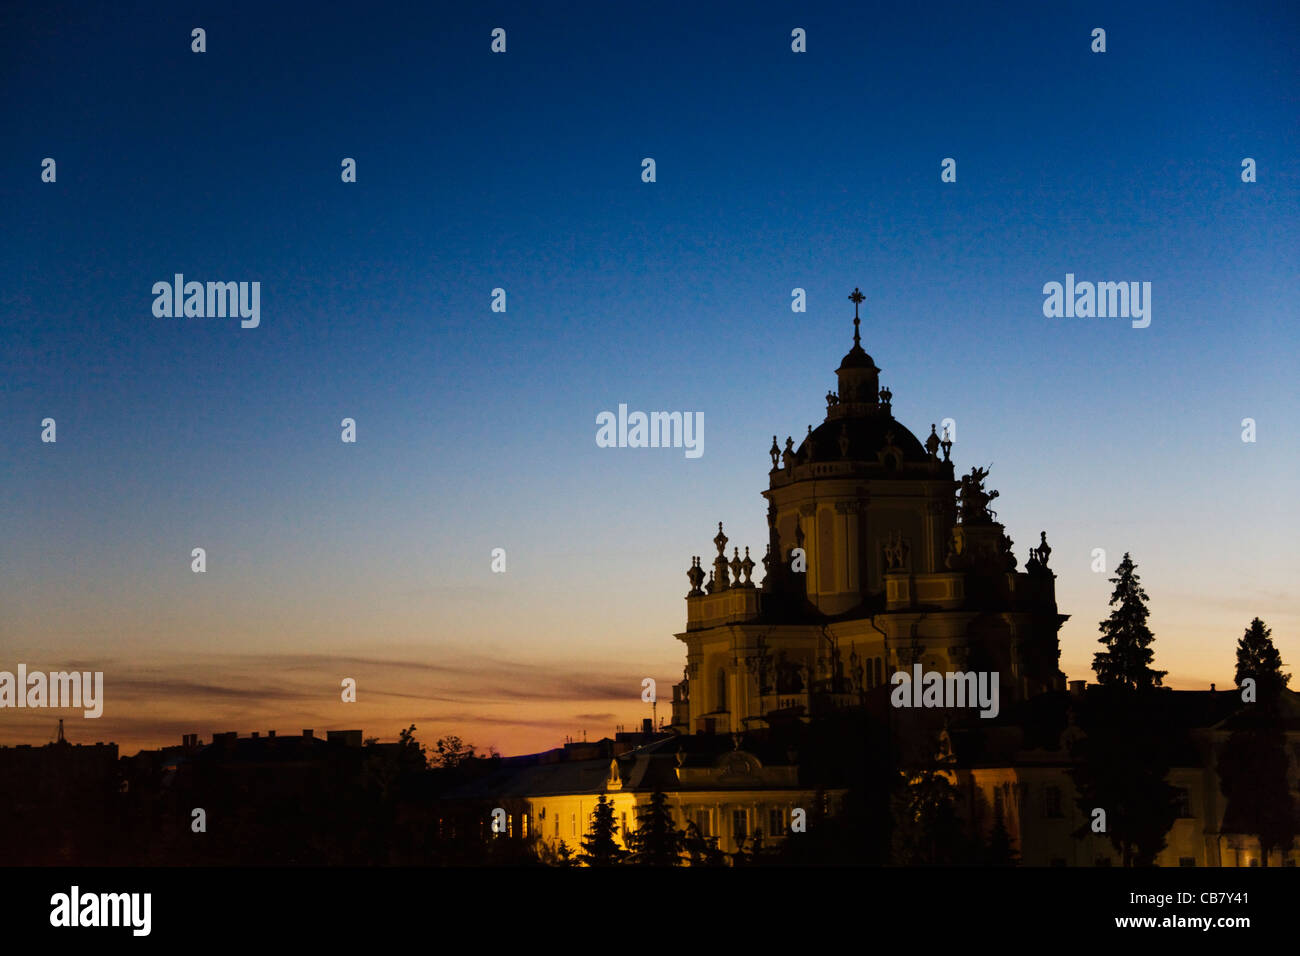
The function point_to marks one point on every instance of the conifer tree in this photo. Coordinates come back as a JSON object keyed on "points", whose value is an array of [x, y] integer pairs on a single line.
{"points": [[599, 848], [656, 840], [1253, 764], [1126, 662], [1257, 657], [1253, 778], [1124, 756]]}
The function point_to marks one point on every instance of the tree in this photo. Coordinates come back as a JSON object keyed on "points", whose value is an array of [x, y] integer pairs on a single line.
{"points": [[656, 840], [1258, 658], [1124, 756], [926, 827], [1253, 763], [452, 752], [1253, 777], [413, 754], [702, 850], [1121, 764], [1126, 662], [599, 848]]}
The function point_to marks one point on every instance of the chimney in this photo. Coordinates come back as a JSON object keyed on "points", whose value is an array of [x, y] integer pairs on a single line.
{"points": [[254, 735], [647, 725], [1077, 687], [308, 734], [270, 733]]}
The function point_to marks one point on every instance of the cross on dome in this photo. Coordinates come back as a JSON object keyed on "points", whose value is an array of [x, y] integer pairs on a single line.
{"points": [[856, 298]]}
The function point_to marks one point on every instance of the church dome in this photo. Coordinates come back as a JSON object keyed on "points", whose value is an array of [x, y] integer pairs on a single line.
{"points": [[868, 435], [857, 357]]}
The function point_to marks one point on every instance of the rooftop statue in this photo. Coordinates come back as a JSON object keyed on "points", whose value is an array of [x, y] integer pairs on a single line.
{"points": [[974, 499]]}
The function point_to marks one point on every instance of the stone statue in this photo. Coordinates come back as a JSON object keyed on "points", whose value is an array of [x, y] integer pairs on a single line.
{"points": [[974, 499], [931, 444]]}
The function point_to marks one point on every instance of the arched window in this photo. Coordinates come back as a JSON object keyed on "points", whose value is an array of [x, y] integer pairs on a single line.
{"points": [[722, 689]]}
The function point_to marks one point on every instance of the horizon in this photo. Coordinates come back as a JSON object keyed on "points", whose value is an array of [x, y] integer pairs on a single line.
{"points": [[478, 429]]}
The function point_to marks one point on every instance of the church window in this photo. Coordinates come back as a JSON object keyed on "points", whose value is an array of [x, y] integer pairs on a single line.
{"points": [[1184, 799], [702, 821], [722, 689], [775, 822]]}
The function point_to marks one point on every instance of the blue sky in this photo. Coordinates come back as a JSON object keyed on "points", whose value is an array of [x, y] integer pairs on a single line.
{"points": [[522, 171]]}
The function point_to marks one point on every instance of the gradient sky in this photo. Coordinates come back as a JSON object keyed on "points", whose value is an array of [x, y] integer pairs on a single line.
{"points": [[476, 429]]}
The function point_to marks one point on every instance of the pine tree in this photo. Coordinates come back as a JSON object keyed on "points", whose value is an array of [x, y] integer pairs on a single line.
{"points": [[656, 841], [1124, 756], [1258, 658], [1126, 662], [599, 848], [1253, 764], [564, 855]]}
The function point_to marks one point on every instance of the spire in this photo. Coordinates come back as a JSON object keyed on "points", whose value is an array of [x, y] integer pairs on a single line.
{"points": [[856, 298], [857, 372]]}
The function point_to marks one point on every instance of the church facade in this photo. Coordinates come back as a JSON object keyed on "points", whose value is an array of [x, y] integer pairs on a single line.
{"points": [[878, 558]]}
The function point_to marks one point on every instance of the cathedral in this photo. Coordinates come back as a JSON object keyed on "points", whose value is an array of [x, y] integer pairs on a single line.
{"points": [[878, 558], [880, 561]]}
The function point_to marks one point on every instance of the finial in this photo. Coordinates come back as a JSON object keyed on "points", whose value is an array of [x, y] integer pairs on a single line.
{"points": [[856, 298]]}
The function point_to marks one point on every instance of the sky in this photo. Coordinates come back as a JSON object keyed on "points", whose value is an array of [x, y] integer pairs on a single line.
{"points": [[522, 171]]}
